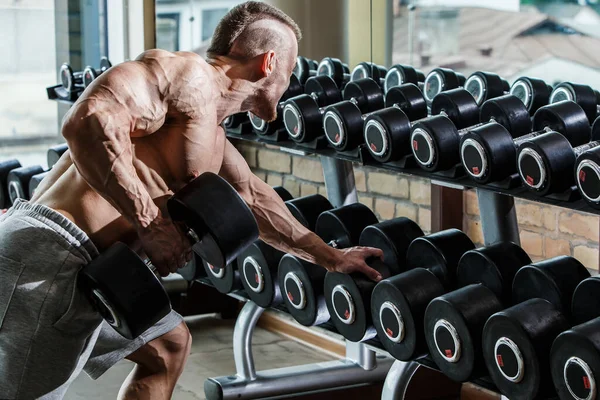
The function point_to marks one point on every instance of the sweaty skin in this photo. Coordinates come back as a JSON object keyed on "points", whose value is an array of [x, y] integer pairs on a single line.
{"points": [[145, 128]]}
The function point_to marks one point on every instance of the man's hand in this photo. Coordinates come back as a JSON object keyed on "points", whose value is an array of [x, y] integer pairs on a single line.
{"points": [[354, 259], [166, 245]]}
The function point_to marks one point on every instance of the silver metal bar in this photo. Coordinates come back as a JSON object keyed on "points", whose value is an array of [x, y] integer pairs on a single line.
{"points": [[498, 217], [339, 181], [361, 355], [398, 379], [242, 340], [297, 379]]}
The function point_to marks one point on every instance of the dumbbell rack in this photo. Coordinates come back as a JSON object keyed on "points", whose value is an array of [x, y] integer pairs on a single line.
{"points": [[361, 364]]}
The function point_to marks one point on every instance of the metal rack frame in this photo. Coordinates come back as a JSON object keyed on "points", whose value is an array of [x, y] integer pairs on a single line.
{"points": [[361, 364]]}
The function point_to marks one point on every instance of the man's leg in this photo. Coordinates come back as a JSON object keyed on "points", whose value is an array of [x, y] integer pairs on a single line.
{"points": [[159, 363]]}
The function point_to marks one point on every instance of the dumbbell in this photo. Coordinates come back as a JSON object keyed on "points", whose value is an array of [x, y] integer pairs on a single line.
{"points": [[517, 341], [305, 68], [348, 297], [137, 299], [55, 152], [371, 70], [440, 80], [575, 354], [400, 74], [71, 81], [387, 132], [587, 170], [360, 97], [90, 73], [302, 114], [340, 228], [454, 321], [484, 86], [301, 281], [585, 96], [533, 92], [489, 152], [229, 278], [398, 303], [345, 122], [335, 69], [34, 182], [18, 181], [264, 128], [193, 269], [436, 140], [237, 123], [5, 168], [546, 162]]}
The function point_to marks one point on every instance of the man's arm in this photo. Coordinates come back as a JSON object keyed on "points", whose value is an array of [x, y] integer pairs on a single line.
{"points": [[98, 129], [279, 228]]}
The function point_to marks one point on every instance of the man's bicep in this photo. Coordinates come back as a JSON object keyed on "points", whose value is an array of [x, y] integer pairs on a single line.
{"points": [[235, 169]]}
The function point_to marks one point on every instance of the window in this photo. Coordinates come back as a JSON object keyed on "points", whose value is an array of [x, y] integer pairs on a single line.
{"points": [[167, 31], [210, 19], [551, 40]]}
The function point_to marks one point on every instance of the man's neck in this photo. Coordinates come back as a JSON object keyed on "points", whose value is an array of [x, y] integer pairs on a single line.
{"points": [[233, 88]]}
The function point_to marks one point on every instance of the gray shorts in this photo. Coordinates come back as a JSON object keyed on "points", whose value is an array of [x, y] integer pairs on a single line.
{"points": [[49, 331]]}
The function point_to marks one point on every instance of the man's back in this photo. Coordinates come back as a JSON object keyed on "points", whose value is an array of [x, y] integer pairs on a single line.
{"points": [[159, 100]]}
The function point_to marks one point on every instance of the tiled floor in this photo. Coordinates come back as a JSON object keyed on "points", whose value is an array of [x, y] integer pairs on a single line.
{"points": [[211, 356]]}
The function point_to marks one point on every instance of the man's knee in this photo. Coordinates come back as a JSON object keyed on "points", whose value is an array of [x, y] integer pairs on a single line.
{"points": [[165, 354]]}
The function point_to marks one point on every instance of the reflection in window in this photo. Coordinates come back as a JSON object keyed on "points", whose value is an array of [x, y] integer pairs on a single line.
{"points": [[167, 31], [210, 20], [554, 41]]}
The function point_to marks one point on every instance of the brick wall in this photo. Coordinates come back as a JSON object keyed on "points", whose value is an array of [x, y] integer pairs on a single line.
{"points": [[546, 231]]}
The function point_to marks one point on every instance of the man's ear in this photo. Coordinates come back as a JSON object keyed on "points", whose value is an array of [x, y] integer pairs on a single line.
{"points": [[268, 63]]}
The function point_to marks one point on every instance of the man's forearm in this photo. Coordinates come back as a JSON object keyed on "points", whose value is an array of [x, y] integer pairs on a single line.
{"points": [[104, 159], [279, 228]]}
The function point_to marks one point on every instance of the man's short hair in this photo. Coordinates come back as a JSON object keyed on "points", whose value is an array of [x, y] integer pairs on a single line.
{"points": [[238, 19]]}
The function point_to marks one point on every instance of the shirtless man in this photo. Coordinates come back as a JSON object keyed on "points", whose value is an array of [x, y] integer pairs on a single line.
{"points": [[139, 133]]}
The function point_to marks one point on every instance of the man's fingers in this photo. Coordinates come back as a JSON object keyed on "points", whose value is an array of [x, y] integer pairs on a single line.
{"points": [[370, 273], [374, 252]]}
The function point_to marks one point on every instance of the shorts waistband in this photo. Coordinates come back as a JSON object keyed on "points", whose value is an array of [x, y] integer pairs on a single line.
{"points": [[59, 223]]}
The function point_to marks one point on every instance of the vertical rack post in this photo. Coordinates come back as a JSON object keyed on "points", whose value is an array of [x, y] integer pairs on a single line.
{"points": [[498, 217]]}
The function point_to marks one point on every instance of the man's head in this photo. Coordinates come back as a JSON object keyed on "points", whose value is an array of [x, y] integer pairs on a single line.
{"points": [[266, 40]]}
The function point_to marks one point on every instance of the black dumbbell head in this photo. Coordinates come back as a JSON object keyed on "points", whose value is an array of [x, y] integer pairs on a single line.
{"points": [[334, 68], [587, 176], [5, 168], [104, 64], [458, 105], [307, 209], [68, 78], [583, 95], [341, 227], [18, 181], [323, 89], [366, 93], [386, 133], [453, 328], [226, 279], [554, 280], [400, 74], [439, 252], [494, 267], [508, 111], [258, 270], [516, 348], [220, 243], [130, 304], [575, 361], [368, 70], [585, 304], [235, 120], [55, 152], [302, 286], [534, 93], [485, 85], [398, 307], [409, 98], [566, 118], [303, 68], [440, 80], [34, 182]]}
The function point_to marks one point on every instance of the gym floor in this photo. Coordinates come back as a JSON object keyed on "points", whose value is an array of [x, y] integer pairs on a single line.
{"points": [[211, 356]]}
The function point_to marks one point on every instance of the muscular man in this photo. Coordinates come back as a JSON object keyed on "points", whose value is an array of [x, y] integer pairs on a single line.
{"points": [[139, 133]]}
